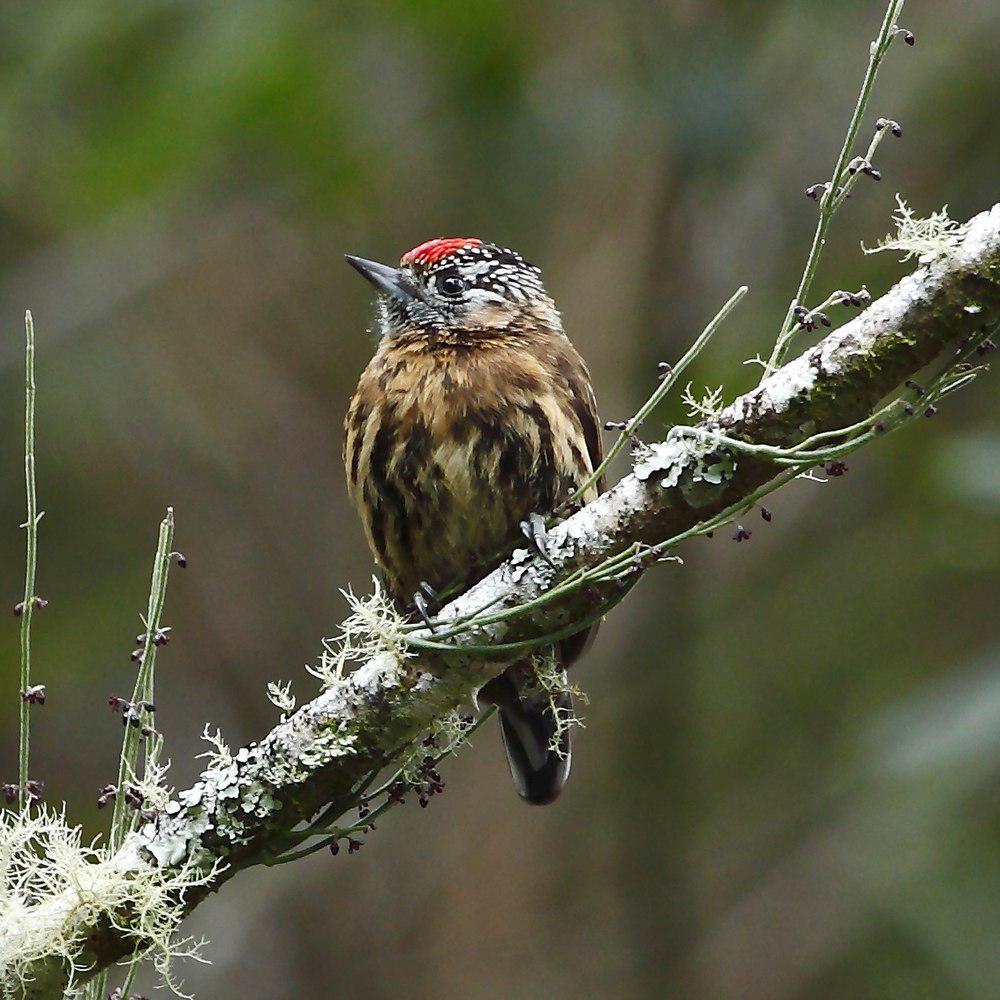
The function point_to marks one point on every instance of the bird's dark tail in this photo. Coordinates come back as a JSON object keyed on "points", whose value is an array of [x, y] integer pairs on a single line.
{"points": [[536, 738]]}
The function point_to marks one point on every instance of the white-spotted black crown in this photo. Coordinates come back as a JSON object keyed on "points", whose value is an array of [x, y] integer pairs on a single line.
{"points": [[475, 265]]}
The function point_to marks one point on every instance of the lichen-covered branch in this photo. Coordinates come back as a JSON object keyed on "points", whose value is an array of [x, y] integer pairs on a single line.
{"points": [[244, 807]]}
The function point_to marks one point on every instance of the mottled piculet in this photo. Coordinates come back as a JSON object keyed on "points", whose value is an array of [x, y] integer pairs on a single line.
{"points": [[475, 412]]}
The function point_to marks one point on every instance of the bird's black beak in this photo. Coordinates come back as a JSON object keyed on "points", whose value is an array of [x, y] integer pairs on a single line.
{"points": [[388, 280]]}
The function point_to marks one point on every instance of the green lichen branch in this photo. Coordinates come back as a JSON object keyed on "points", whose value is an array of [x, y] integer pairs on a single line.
{"points": [[285, 793]]}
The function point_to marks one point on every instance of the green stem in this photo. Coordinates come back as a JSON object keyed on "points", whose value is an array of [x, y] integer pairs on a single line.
{"points": [[143, 690], [831, 201], [128, 763], [31, 557]]}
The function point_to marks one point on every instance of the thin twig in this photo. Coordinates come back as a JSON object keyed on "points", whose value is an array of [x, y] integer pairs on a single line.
{"points": [[31, 558], [832, 199]]}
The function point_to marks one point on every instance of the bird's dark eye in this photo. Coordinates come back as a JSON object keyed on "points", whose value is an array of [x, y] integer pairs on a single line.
{"points": [[450, 283]]}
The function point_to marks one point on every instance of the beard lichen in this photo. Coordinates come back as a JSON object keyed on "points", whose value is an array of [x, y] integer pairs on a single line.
{"points": [[926, 239], [374, 628], [54, 890], [550, 681]]}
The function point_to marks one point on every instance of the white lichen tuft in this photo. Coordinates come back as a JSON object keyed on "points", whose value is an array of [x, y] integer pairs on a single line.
{"points": [[926, 239], [151, 787], [708, 407], [54, 890], [219, 758], [280, 695], [374, 628]]}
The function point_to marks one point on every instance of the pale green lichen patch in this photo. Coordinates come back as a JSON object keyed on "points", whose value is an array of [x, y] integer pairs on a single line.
{"points": [[697, 455]]}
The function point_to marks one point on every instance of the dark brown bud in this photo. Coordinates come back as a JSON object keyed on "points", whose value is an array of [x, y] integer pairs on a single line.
{"points": [[766, 514], [742, 534], [930, 411], [35, 695], [133, 797]]}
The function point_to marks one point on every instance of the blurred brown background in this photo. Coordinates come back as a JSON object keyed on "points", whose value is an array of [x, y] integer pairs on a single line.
{"points": [[787, 783]]}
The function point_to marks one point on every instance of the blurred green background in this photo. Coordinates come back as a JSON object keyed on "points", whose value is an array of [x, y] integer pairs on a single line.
{"points": [[787, 786]]}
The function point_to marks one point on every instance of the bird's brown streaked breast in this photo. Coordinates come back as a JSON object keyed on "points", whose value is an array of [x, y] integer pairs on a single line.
{"points": [[448, 448]]}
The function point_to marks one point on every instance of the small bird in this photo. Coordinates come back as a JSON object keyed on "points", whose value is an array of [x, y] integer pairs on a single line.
{"points": [[473, 421]]}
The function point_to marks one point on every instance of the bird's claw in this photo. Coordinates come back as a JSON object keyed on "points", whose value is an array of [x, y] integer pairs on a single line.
{"points": [[420, 603], [534, 530]]}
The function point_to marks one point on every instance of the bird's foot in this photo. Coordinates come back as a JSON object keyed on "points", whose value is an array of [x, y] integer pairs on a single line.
{"points": [[534, 530], [420, 603]]}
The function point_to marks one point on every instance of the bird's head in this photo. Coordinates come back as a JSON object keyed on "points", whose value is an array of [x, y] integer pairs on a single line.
{"points": [[459, 285]]}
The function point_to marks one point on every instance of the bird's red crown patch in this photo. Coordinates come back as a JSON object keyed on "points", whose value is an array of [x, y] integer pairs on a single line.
{"points": [[433, 250]]}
